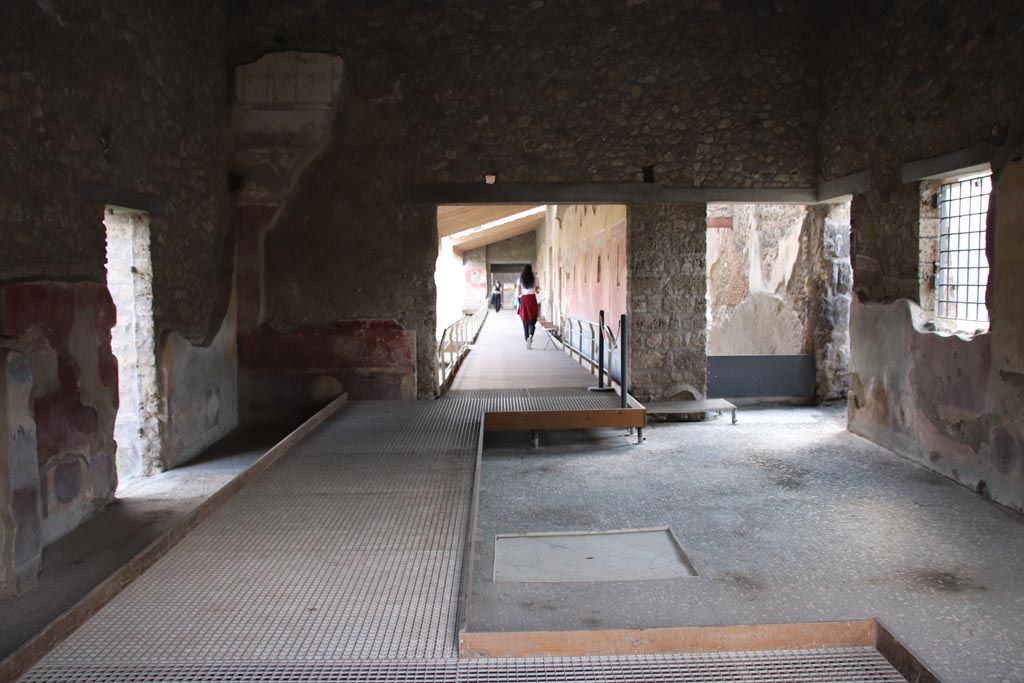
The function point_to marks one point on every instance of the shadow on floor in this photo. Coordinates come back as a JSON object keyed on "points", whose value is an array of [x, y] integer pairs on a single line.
{"points": [[145, 508]]}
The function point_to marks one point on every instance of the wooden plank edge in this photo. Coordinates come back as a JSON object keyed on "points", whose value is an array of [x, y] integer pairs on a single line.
{"points": [[681, 640], [24, 658], [902, 659], [563, 419], [469, 554]]}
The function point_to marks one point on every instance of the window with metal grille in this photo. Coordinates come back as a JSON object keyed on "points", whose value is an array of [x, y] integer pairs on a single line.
{"points": [[962, 274]]}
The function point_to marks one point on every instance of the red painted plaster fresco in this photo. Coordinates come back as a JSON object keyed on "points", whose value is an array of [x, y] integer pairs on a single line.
{"points": [[373, 359], [66, 330]]}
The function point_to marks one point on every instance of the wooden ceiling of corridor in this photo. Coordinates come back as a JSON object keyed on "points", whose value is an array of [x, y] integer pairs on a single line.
{"points": [[454, 219]]}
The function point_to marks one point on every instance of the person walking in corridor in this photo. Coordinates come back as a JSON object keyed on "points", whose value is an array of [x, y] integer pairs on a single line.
{"points": [[496, 297], [526, 292]]}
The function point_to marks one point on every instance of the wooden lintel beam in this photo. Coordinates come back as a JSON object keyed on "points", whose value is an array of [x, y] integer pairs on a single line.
{"points": [[602, 193]]}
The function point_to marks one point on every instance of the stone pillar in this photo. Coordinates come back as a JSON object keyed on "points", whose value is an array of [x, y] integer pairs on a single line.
{"points": [[831, 333], [885, 243], [928, 244], [21, 536], [1006, 254], [666, 300]]}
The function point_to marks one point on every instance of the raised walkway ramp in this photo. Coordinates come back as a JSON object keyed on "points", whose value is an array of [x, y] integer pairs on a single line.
{"points": [[535, 389]]}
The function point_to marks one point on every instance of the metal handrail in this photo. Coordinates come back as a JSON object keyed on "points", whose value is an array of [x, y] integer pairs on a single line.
{"points": [[581, 337], [454, 341]]}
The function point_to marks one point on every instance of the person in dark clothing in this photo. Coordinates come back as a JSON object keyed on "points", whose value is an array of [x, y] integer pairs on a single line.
{"points": [[496, 297]]}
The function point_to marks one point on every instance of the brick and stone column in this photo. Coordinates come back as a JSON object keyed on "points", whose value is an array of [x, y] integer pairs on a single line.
{"points": [[886, 242], [666, 301]]}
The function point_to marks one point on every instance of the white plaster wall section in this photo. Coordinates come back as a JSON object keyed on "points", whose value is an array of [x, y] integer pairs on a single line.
{"points": [[137, 429], [879, 372], [202, 390], [454, 296], [935, 398], [781, 266]]}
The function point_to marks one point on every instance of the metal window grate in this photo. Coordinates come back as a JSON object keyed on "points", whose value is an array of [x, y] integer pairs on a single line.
{"points": [[962, 275]]}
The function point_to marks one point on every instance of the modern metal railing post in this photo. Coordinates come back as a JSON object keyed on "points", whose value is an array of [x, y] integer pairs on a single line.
{"points": [[624, 358], [600, 350]]}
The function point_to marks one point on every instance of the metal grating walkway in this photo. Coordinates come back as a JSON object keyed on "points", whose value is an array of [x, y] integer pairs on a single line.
{"points": [[342, 562], [348, 548], [851, 665]]}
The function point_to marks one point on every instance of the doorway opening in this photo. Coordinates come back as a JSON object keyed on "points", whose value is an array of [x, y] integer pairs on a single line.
{"points": [[130, 281], [778, 298]]}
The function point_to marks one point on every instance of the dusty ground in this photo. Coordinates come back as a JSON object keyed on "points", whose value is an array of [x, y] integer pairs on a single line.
{"points": [[786, 518]]}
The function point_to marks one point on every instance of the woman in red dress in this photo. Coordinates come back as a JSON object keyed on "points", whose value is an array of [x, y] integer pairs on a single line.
{"points": [[526, 290]]}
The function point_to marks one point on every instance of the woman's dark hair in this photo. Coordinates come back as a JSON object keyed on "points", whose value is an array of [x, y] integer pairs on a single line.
{"points": [[527, 277]]}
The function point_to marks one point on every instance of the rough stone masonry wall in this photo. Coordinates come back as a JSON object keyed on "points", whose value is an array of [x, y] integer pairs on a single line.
{"points": [[710, 93], [129, 97], [909, 80], [518, 249], [666, 301]]}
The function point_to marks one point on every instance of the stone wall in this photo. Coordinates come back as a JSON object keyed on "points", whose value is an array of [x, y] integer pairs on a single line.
{"points": [[105, 104], [951, 403], [885, 242], [473, 281], [666, 304], [283, 117], [712, 93], [909, 80], [833, 294], [137, 428], [912, 79], [130, 97], [709, 93], [519, 249]]}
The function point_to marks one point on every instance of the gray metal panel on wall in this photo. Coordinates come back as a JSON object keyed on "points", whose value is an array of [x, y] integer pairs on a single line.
{"points": [[752, 376]]}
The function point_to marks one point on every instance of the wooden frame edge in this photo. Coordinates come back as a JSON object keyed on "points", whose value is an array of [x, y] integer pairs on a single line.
{"points": [[686, 639], [25, 657], [902, 659], [466, 580], [514, 421]]}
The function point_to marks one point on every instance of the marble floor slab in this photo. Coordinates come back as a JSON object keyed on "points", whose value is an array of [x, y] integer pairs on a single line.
{"points": [[633, 555]]}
